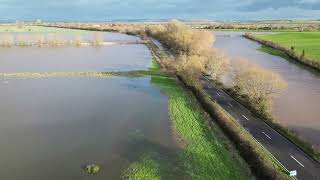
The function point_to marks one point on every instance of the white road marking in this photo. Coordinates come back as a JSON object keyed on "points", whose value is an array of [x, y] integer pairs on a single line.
{"points": [[245, 117], [230, 104], [219, 95], [297, 161], [266, 135]]}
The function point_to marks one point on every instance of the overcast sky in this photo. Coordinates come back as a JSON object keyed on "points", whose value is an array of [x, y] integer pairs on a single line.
{"points": [[105, 10]]}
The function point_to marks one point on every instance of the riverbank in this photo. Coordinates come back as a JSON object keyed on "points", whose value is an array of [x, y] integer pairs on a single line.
{"points": [[302, 55]]}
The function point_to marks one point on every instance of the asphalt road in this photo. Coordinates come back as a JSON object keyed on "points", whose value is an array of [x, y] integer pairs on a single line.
{"points": [[287, 153]]}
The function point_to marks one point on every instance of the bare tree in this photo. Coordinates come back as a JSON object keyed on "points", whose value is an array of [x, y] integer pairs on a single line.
{"points": [[258, 84], [216, 63]]}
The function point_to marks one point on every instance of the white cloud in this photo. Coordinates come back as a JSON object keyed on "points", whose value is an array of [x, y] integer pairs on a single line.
{"points": [[309, 1]]}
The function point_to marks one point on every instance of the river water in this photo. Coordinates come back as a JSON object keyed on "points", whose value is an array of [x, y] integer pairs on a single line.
{"points": [[297, 107]]}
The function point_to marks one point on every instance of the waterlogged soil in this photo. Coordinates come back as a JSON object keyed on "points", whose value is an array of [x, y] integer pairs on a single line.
{"points": [[296, 107], [117, 57], [51, 127]]}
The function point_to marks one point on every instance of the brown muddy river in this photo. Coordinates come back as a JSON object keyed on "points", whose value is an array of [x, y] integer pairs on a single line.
{"points": [[297, 107], [51, 127]]}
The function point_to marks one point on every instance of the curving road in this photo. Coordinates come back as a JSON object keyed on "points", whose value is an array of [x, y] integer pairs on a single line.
{"points": [[287, 153]]}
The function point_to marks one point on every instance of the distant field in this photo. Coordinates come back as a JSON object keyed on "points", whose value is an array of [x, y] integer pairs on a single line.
{"points": [[36, 29], [307, 41]]}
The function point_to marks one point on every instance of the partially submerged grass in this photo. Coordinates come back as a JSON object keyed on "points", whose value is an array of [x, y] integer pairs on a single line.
{"points": [[274, 52], [145, 169], [92, 168], [205, 156], [94, 74], [155, 66]]}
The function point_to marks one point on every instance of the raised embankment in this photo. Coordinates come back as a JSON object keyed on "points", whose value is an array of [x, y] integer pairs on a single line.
{"points": [[289, 51]]}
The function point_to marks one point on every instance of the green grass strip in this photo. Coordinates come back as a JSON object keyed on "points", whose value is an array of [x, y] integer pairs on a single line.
{"points": [[205, 156]]}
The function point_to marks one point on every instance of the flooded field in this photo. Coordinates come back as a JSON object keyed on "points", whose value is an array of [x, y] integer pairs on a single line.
{"points": [[73, 59], [298, 106], [33, 32], [51, 127], [69, 59]]}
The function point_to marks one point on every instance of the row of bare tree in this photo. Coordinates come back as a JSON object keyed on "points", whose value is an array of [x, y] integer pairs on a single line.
{"points": [[195, 55]]}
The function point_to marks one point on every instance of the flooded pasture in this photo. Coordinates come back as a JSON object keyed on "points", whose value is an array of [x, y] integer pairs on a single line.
{"points": [[60, 33], [51, 127], [117, 57], [296, 107]]}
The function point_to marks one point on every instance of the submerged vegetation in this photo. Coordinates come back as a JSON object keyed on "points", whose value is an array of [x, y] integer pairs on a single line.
{"points": [[145, 169], [95, 74], [155, 66], [274, 52], [92, 168], [40, 40]]}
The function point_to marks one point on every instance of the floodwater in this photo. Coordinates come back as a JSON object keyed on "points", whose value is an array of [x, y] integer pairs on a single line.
{"points": [[51, 127], [34, 32], [115, 57], [296, 107]]}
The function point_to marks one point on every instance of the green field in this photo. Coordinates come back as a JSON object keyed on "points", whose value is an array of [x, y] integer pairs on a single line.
{"points": [[307, 41]]}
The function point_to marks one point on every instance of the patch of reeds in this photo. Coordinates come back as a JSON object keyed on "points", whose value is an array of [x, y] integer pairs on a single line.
{"points": [[97, 39]]}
